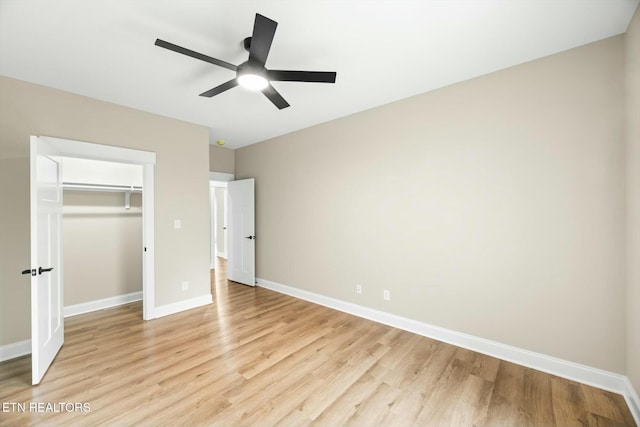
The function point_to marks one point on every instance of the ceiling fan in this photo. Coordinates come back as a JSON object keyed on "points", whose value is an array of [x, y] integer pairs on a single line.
{"points": [[253, 74]]}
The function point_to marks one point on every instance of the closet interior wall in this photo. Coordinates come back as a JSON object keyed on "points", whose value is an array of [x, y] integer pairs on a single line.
{"points": [[102, 246], [102, 233]]}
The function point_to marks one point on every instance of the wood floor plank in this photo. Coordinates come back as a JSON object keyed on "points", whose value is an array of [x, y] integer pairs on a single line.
{"points": [[343, 408], [408, 371], [473, 405], [377, 409], [406, 409], [440, 405], [429, 374], [605, 405], [485, 367], [569, 407], [335, 384], [258, 358], [536, 399], [504, 412]]}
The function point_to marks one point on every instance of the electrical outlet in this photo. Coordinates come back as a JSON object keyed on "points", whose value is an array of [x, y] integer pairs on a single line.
{"points": [[177, 224], [386, 295], [185, 286], [358, 289]]}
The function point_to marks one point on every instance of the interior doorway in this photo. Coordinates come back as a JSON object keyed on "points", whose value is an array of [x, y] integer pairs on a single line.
{"points": [[146, 160], [219, 208], [233, 227], [102, 234], [219, 202]]}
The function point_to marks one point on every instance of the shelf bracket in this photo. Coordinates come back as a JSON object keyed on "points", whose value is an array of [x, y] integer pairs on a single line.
{"points": [[127, 200]]}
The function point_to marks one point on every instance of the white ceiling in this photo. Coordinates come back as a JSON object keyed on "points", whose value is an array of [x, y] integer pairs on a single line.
{"points": [[382, 50]]}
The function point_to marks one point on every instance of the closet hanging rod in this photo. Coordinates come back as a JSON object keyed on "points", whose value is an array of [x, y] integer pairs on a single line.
{"points": [[99, 187]]}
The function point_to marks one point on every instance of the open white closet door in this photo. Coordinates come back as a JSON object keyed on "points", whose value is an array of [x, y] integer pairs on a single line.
{"points": [[47, 315], [241, 262]]}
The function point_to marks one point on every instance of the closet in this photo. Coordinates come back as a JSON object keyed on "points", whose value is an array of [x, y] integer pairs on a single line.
{"points": [[102, 234]]}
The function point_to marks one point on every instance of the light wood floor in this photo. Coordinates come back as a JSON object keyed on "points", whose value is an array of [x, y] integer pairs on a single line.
{"points": [[256, 357]]}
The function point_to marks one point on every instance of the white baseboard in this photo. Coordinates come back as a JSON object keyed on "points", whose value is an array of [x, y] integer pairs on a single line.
{"points": [[87, 307], [633, 401], [16, 349], [563, 368], [176, 307]]}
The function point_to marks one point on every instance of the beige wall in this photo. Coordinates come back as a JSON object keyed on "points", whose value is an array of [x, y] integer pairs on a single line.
{"points": [[633, 200], [102, 246], [221, 159], [181, 180], [14, 250], [492, 207]]}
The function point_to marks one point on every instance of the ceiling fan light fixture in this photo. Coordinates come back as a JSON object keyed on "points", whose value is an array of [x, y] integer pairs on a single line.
{"points": [[252, 81], [253, 74]]}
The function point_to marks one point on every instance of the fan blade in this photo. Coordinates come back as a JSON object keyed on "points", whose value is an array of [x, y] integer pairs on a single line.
{"points": [[275, 97], [219, 89], [193, 54], [302, 76], [263, 31]]}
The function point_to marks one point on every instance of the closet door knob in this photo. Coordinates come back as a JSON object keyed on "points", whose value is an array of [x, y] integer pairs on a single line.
{"points": [[29, 271], [250, 237]]}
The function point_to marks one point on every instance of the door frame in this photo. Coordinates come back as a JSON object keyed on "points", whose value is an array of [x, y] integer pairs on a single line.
{"points": [[147, 159]]}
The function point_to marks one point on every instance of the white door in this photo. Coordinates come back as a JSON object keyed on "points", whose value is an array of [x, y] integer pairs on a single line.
{"points": [[241, 262], [47, 322]]}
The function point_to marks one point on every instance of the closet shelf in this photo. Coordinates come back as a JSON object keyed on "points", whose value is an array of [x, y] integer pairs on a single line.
{"points": [[126, 189], [100, 187]]}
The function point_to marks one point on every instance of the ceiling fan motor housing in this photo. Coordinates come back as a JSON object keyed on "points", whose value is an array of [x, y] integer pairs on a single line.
{"points": [[247, 44], [251, 68]]}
